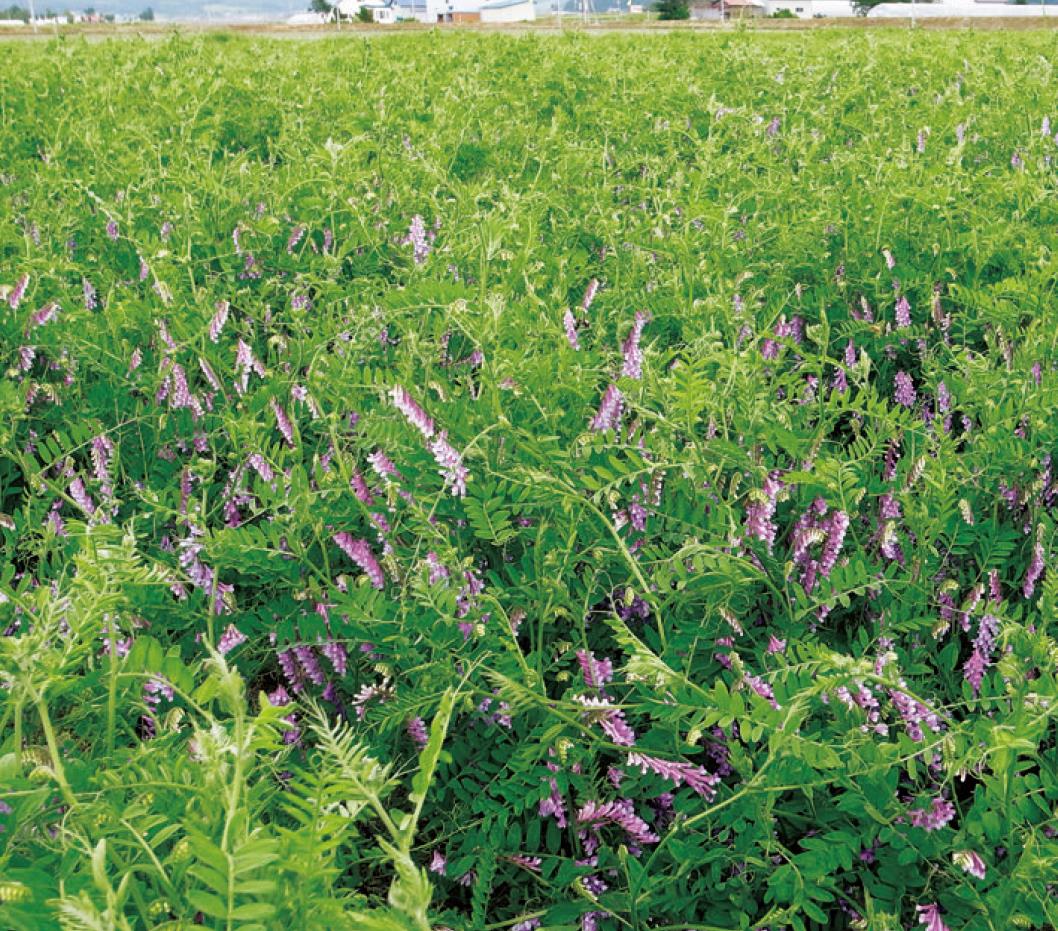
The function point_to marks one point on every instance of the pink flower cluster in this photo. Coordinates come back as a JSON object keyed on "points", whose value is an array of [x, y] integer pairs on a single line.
{"points": [[939, 813]]}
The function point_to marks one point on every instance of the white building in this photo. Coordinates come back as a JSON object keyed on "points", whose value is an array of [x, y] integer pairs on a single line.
{"points": [[514, 11], [809, 9], [382, 11], [958, 9], [423, 11], [307, 19]]}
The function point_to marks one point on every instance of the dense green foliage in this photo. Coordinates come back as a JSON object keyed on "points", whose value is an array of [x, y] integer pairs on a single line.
{"points": [[746, 344], [672, 9]]}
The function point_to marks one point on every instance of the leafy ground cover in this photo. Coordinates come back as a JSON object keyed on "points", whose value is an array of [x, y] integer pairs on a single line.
{"points": [[487, 482]]}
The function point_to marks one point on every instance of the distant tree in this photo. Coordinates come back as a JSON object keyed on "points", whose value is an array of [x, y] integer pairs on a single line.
{"points": [[15, 12], [147, 15], [322, 6], [365, 15], [90, 11], [673, 9]]}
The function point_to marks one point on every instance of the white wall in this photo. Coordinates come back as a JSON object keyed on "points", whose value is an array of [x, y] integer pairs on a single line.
{"points": [[959, 8], [806, 9], [516, 13]]}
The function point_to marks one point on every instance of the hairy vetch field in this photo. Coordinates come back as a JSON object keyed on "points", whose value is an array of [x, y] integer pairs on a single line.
{"points": [[490, 482]]}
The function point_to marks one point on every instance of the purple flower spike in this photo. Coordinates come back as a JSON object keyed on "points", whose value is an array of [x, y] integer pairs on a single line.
{"points": [[416, 728], [360, 552], [760, 511], [411, 410], [1028, 588], [570, 324], [979, 661], [450, 463], [903, 312], [699, 779], [589, 294], [596, 672], [904, 393], [283, 423], [419, 239], [633, 355], [18, 292], [608, 417]]}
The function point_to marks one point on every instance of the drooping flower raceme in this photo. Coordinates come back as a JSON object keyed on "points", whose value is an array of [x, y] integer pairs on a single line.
{"points": [[450, 463], [903, 312], [633, 354], [448, 459], [420, 240], [760, 512], [596, 672], [412, 412], [569, 322], [283, 422], [219, 319], [1035, 570], [981, 657], [245, 363], [611, 720], [589, 294], [904, 393], [18, 292], [696, 777], [359, 551], [621, 813], [45, 315], [608, 417]]}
